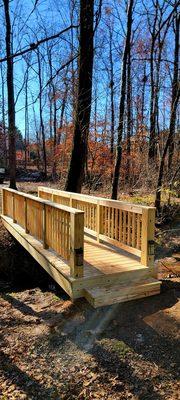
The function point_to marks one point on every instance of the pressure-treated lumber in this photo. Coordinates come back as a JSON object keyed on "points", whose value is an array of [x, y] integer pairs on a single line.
{"points": [[101, 296], [50, 223], [105, 267], [127, 226]]}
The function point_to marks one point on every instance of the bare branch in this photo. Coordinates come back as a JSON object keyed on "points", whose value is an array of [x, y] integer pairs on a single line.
{"points": [[35, 45]]}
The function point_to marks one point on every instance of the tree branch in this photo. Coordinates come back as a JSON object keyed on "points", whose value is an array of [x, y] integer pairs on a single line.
{"points": [[35, 45]]}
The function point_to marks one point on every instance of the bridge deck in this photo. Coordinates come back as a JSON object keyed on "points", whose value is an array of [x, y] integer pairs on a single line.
{"points": [[102, 258], [103, 263]]}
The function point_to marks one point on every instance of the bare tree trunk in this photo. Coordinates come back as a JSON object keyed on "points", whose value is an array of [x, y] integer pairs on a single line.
{"points": [[122, 103], [111, 92], [143, 96], [3, 115], [73, 65], [129, 116], [11, 104], [82, 119], [37, 139], [175, 94], [41, 115], [174, 104], [152, 137], [63, 105], [26, 121], [53, 113], [54, 134]]}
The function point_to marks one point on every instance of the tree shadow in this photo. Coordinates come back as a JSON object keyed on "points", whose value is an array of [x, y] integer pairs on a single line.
{"points": [[24, 382], [125, 322]]}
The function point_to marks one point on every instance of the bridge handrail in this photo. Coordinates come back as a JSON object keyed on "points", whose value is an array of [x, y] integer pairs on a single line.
{"points": [[57, 226], [126, 225]]}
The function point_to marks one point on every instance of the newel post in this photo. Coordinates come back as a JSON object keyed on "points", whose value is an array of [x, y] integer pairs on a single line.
{"points": [[76, 244], [147, 238]]}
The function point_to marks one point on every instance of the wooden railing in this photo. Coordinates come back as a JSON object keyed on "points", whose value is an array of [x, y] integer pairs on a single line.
{"points": [[128, 226], [58, 227]]}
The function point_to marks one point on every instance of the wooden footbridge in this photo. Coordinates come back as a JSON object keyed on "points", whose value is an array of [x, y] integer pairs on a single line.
{"points": [[93, 247]]}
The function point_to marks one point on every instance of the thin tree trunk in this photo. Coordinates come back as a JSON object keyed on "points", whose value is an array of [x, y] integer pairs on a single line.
{"points": [[129, 116], [174, 104], [111, 92], [82, 119], [37, 139], [41, 115], [26, 122], [3, 115], [11, 104], [62, 112], [122, 103], [152, 137], [54, 134], [175, 94]]}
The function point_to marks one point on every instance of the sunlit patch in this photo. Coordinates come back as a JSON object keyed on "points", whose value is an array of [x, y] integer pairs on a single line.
{"points": [[165, 323]]}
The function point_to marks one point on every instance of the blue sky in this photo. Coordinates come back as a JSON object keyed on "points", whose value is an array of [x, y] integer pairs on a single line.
{"points": [[54, 16]]}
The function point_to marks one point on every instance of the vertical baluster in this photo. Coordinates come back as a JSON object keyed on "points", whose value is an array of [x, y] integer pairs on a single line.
{"points": [[129, 228], [13, 208], [112, 223], [133, 240], [44, 227], [98, 220], [116, 224], [124, 227], [25, 215], [138, 231], [120, 226], [109, 221]]}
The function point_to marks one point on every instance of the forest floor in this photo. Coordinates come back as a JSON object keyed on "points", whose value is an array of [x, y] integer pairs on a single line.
{"points": [[51, 348]]}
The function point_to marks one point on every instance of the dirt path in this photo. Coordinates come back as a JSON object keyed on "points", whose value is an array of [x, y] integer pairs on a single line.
{"points": [[53, 349]]}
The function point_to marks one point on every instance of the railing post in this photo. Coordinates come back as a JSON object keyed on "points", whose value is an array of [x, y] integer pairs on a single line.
{"points": [[147, 238], [76, 244]]}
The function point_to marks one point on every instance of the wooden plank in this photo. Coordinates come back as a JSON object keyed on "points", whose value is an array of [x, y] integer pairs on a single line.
{"points": [[101, 296], [44, 227], [129, 229], [103, 201], [134, 230], [121, 299], [25, 215], [98, 221], [39, 200], [124, 227], [138, 238]]}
